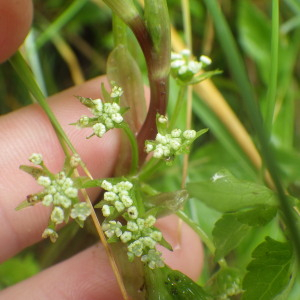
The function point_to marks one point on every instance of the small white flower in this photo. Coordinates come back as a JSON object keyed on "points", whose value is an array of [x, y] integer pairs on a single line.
{"points": [[136, 248], [177, 64], [175, 56], [75, 160], [124, 185], [109, 123], [148, 242], [183, 69], [153, 258], [175, 144], [117, 118], [141, 223], [106, 185], [132, 226], [126, 236], [80, 211], [150, 221], [47, 200], [67, 183], [107, 108], [161, 138], [119, 206], [189, 134], [44, 181], [106, 210], [205, 60], [48, 232], [36, 158], [132, 212], [185, 52], [158, 153], [115, 107], [110, 196], [65, 202], [127, 201], [83, 121], [149, 147], [116, 92], [71, 192], [57, 215], [156, 235], [162, 119], [194, 67], [175, 133], [99, 129], [98, 104]]}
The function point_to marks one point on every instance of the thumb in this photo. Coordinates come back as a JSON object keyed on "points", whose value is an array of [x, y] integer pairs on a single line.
{"points": [[15, 21]]}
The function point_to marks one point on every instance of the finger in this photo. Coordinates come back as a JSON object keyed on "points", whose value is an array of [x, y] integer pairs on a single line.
{"points": [[88, 275], [15, 20], [29, 130]]}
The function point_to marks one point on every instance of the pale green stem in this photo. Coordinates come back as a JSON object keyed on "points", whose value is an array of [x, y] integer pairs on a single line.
{"points": [[134, 148], [61, 21], [204, 237], [178, 105], [272, 86]]}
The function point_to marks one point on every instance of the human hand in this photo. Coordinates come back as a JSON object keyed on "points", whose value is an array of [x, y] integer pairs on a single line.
{"points": [[87, 275]]}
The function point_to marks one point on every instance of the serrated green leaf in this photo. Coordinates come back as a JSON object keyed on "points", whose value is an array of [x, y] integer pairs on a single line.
{"points": [[167, 284], [226, 282], [257, 216], [269, 271], [225, 193], [227, 234]]}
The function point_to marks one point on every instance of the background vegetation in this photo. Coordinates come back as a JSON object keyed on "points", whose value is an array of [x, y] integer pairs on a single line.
{"points": [[70, 42]]}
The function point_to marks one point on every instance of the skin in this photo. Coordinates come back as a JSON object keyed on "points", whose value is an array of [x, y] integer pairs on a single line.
{"points": [[88, 274]]}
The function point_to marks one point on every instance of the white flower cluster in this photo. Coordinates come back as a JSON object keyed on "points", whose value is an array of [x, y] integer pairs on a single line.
{"points": [[106, 115], [184, 68], [60, 193], [138, 233], [117, 198], [141, 239], [166, 146]]}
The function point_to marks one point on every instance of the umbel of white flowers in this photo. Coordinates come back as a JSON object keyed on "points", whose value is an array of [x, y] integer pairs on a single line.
{"points": [[184, 67], [59, 193], [138, 233], [107, 115], [168, 144]]}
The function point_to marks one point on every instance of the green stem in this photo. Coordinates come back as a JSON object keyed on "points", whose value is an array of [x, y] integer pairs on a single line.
{"points": [[149, 168], [178, 105], [204, 237], [22, 69], [61, 21], [134, 148], [271, 95]]}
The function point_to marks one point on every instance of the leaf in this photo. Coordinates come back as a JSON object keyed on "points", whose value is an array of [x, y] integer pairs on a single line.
{"points": [[226, 282], [167, 284], [227, 234], [255, 35], [257, 216], [167, 203], [225, 193], [17, 269], [130, 79], [35, 172], [269, 271]]}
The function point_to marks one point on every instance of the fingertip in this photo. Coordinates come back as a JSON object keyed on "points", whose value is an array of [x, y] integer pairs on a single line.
{"points": [[187, 255], [15, 21]]}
